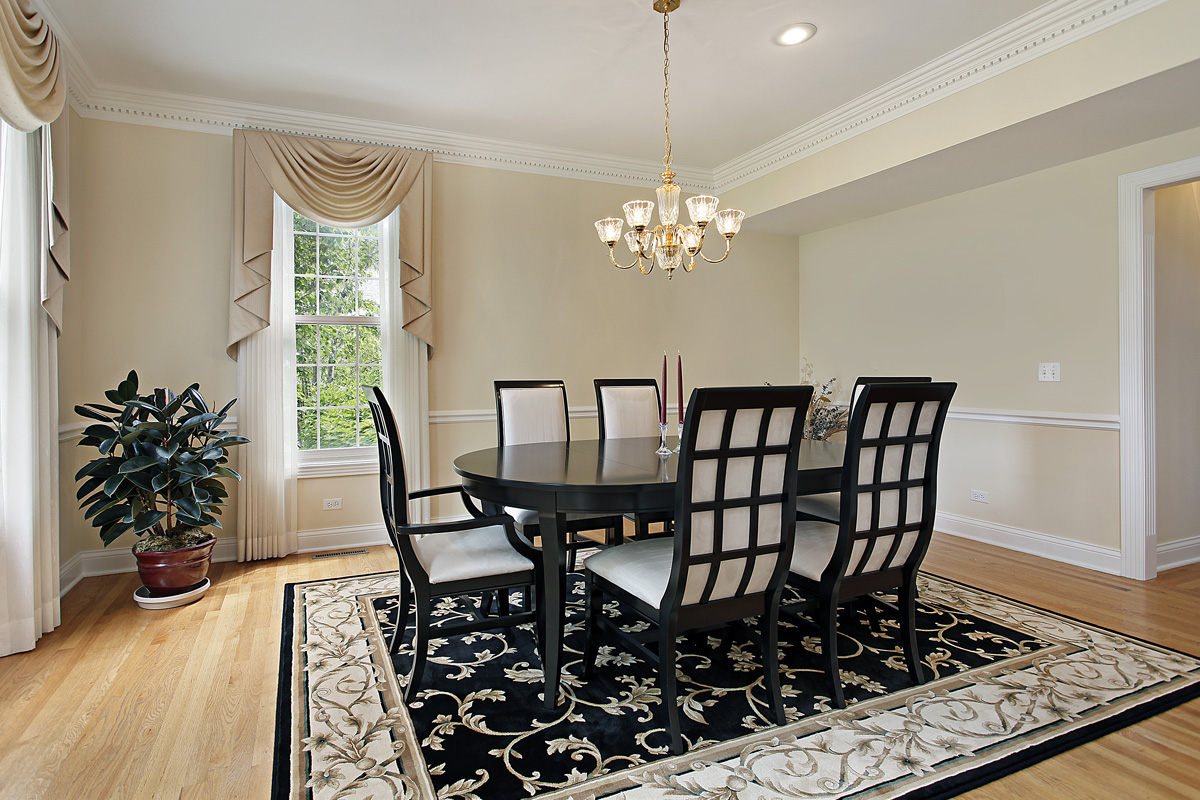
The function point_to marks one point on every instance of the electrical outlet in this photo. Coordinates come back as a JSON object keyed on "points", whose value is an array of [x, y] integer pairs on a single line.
{"points": [[333, 503], [979, 496], [1048, 371]]}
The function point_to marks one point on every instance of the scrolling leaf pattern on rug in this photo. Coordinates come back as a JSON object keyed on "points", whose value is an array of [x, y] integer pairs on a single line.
{"points": [[481, 695]]}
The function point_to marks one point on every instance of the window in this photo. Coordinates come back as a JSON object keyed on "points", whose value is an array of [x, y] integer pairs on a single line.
{"points": [[338, 343]]}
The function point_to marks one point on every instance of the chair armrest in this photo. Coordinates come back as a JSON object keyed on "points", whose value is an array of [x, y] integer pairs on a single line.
{"points": [[467, 502], [433, 490], [457, 525]]}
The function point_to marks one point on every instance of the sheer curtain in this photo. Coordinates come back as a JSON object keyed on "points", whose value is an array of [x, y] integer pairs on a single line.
{"points": [[28, 406], [266, 390], [405, 368]]}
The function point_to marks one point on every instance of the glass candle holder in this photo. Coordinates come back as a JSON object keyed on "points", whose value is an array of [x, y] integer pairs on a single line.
{"points": [[678, 435], [663, 450]]}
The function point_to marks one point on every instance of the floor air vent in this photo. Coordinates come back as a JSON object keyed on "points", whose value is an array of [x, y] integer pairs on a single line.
{"points": [[341, 553]]}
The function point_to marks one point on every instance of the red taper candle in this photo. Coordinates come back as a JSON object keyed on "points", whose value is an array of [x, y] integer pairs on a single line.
{"points": [[680, 387], [662, 411]]}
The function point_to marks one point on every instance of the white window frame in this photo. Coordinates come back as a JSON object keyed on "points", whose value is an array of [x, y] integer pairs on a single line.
{"points": [[336, 461]]}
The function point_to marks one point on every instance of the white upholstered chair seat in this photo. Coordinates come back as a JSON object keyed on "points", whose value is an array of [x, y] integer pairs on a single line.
{"points": [[826, 506], [813, 548], [529, 516], [474, 553], [641, 568]]}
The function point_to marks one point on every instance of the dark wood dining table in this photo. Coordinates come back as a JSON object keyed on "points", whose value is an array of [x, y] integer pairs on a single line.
{"points": [[595, 476]]}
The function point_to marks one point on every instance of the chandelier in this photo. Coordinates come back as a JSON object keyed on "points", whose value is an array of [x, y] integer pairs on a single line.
{"points": [[669, 241]]}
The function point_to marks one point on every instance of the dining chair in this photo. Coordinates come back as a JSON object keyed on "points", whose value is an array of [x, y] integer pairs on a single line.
{"points": [[449, 559], [728, 560], [530, 412], [825, 507], [889, 495], [629, 408]]}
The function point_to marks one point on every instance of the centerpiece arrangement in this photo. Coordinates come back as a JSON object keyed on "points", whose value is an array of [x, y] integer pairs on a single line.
{"points": [[159, 474]]}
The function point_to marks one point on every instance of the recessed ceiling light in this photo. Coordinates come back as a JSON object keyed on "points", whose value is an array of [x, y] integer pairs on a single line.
{"points": [[795, 34]]}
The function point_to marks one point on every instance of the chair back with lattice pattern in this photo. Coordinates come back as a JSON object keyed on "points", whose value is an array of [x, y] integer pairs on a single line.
{"points": [[736, 494], [889, 481]]}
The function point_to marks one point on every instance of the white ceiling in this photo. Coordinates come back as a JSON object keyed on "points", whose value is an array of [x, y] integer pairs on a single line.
{"points": [[585, 76]]}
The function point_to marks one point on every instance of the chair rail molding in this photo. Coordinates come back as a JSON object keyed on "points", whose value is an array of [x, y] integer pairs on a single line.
{"points": [[1135, 215]]}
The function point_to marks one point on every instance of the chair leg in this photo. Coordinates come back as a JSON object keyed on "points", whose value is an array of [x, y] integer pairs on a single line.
{"points": [[615, 534], [502, 602], [404, 598], [907, 602], [420, 647], [641, 528], [770, 639], [667, 683], [595, 607], [827, 623]]}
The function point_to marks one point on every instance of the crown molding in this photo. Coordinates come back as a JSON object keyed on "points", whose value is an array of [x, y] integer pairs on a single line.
{"points": [[1041, 31], [1035, 34]]}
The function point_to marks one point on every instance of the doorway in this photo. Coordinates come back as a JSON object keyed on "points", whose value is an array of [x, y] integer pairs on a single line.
{"points": [[1136, 198]]}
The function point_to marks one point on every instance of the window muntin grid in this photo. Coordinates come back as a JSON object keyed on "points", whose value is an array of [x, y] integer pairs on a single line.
{"points": [[338, 345]]}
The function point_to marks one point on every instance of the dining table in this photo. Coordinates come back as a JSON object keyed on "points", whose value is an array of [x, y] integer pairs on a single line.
{"points": [[595, 477]]}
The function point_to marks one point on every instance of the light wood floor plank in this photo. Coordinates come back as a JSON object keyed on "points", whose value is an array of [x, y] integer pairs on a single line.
{"points": [[125, 703]]}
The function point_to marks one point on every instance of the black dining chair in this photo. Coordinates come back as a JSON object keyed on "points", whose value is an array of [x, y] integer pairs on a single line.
{"points": [[436, 561], [536, 411], [885, 522], [735, 497], [825, 507], [630, 408]]}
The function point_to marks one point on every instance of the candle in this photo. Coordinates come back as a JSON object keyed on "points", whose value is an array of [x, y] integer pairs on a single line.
{"points": [[662, 411], [680, 387]]}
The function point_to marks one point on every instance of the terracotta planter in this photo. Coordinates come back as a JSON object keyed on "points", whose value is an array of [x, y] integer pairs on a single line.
{"points": [[174, 571]]}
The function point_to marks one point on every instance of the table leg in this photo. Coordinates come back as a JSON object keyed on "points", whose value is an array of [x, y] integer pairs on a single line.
{"points": [[555, 569]]}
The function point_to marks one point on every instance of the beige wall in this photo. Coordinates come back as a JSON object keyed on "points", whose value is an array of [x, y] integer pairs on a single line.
{"points": [[522, 289], [1177, 370], [979, 288], [150, 231]]}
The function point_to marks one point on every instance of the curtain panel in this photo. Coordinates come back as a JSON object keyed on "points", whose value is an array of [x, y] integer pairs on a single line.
{"points": [[336, 183]]}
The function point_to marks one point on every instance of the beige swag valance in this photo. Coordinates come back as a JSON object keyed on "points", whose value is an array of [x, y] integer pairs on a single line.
{"points": [[336, 183], [32, 88], [32, 95]]}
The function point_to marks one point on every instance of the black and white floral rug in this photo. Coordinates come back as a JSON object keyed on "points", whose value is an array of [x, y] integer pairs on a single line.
{"points": [[1011, 685]]}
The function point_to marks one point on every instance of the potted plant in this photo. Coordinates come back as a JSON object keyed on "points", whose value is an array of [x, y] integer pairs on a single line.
{"points": [[160, 473]]}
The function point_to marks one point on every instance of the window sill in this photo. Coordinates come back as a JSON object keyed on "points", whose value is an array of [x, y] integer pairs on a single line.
{"points": [[338, 463]]}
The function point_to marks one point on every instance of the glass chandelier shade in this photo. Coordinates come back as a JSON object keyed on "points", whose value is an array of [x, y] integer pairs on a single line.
{"points": [[669, 242]]}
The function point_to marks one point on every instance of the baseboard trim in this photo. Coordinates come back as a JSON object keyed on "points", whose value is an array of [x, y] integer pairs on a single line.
{"points": [[1056, 548], [91, 563], [345, 537], [1178, 554]]}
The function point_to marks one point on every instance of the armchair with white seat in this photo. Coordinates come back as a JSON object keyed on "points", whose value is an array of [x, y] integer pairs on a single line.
{"points": [[468, 557]]}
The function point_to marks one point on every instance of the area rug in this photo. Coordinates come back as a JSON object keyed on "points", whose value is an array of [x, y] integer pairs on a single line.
{"points": [[1011, 685]]}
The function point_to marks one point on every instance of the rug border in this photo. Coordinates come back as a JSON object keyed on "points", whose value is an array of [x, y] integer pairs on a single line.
{"points": [[283, 694], [1060, 615], [948, 787]]}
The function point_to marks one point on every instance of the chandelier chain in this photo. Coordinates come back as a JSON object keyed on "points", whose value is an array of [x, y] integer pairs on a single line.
{"points": [[667, 92]]}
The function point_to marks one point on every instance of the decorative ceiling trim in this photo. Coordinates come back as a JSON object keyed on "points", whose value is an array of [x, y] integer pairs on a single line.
{"points": [[1035, 34], [1043, 30]]}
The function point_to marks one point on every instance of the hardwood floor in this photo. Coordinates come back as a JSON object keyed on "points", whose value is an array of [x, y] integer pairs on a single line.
{"points": [[125, 703]]}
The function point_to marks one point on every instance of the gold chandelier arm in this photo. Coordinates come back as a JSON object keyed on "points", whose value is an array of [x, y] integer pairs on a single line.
{"points": [[728, 246], [612, 256]]}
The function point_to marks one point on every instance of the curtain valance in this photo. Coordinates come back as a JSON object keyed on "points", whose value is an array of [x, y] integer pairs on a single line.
{"points": [[336, 183], [32, 88]]}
